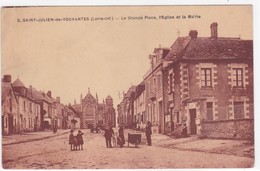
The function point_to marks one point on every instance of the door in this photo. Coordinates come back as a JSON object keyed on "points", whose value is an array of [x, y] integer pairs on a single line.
{"points": [[10, 124], [193, 126], [159, 118]]}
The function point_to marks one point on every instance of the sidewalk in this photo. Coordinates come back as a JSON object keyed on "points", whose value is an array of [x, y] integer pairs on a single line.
{"points": [[244, 148], [31, 136]]}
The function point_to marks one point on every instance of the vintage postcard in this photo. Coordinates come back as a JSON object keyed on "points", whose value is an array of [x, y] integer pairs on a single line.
{"points": [[127, 87]]}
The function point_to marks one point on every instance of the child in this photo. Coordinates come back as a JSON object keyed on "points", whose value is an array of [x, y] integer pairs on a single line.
{"points": [[80, 140], [71, 140]]}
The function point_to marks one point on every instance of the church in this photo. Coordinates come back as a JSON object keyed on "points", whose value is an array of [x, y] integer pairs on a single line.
{"points": [[93, 113]]}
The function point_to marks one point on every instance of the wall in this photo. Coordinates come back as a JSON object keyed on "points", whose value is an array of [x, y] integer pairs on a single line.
{"points": [[234, 129]]}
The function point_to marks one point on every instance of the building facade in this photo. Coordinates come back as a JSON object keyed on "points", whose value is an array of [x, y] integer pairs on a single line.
{"points": [[93, 113], [155, 80], [10, 116], [210, 85], [28, 107], [126, 109], [140, 116]]}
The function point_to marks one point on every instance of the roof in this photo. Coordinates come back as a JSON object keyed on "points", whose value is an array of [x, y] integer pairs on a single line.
{"points": [[139, 89], [89, 97], [208, 48], [38, 95], [178, 46], [73, 111], [18, 83], [130, 90], [220, 48], [77, 107]]}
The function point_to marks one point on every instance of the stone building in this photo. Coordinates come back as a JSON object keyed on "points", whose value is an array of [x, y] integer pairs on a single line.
{"points": [[140, 116], [45, 103], [155, 79], [126, 108], [10, 115], [210, 85], [28, 107], [93, 113]]}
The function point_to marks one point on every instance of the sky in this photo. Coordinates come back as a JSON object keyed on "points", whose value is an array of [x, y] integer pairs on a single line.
{"points": [[68, 57]]}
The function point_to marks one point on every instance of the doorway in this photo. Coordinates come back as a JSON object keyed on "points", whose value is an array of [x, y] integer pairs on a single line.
{"points": [[10, 124], [193, 126]]}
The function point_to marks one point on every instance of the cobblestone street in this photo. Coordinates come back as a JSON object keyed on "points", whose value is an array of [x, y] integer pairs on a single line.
{"points": [[54, 152]]}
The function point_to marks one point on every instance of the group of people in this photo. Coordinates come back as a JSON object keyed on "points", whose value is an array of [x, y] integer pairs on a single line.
{"points": [[76, 141], [109, 133]]}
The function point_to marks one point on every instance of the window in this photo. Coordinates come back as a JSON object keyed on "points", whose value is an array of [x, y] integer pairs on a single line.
{"points": [[170, 82], [178, 117], [159, 81], [24, 106], [206, 79], [210, 111], [6, 122], [154, 84], [30, 107], [11, 109], [147, 89], [238, 77], [238, 110], [37, 108]]}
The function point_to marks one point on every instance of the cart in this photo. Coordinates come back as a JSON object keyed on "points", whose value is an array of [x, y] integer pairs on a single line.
{"points": [[134, 138]]}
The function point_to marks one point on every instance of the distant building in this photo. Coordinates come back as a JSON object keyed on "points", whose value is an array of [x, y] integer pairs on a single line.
{"points": [[126, 108], [60, 113], [109, 113], [140, 116], [73, 117], [94, 113]]}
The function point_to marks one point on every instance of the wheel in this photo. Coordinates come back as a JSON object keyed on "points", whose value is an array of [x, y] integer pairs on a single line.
{"points": [[113, 142]]}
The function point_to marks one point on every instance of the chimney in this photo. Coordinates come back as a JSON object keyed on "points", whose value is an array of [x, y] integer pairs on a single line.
{"points": [[30, 90], [7, 78], [193, 34], [49, 93], [58, 99], [214, 30]]}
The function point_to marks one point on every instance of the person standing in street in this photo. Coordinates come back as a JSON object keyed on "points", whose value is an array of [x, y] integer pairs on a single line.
{"points": [[109, 132], [121, 136], [80, 140], [148, 132], [184, 129], [71, 140]]}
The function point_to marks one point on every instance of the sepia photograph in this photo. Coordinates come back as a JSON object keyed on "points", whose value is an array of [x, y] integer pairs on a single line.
{"points": [[127, 87]]}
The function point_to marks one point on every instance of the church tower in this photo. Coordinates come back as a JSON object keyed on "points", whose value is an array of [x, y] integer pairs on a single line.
{"points": [[110, 114]]}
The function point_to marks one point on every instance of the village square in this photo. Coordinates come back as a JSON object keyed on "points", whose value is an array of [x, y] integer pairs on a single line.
{"points": [[192, 108]]}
